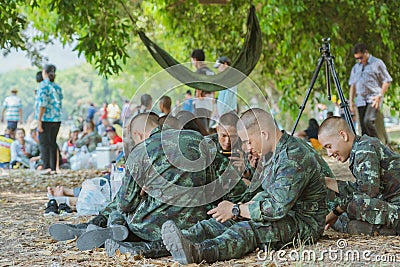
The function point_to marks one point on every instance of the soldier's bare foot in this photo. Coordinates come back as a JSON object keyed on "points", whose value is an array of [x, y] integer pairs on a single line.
{"points": [[59, 191]]}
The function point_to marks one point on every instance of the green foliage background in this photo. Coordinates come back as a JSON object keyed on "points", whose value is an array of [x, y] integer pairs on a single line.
{"points": [[292, 33]]}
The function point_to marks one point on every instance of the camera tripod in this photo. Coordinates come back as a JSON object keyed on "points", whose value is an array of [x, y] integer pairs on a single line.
{"points": [[329, 68]]}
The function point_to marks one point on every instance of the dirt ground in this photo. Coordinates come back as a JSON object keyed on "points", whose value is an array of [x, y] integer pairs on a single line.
{"points": [[24, 238]]}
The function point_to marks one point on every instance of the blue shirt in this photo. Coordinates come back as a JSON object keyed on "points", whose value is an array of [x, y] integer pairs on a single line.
{"points": [[227, 101], [12, 105], [49, 96], [188, 105]]}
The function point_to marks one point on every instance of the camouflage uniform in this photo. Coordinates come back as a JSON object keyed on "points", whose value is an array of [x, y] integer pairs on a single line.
{"points": [[145, 215], [238, 147], [375, 195], [90, 141], [291, 206]]}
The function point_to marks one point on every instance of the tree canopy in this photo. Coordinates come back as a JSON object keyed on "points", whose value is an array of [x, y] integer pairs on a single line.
{"points": [[292, 32]]}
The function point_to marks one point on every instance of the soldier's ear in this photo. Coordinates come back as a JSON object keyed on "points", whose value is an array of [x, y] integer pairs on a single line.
{"points": [[265, 135], [344, 135]]}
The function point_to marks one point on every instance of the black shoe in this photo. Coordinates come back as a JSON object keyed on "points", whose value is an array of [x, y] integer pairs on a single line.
{"points": [[99, 220], [61, 232], [52, 208], [97, 237], [64, 209]]}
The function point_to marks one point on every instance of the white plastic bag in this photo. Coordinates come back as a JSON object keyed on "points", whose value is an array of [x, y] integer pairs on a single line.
{"points": [[94, 196], [81, 159]]}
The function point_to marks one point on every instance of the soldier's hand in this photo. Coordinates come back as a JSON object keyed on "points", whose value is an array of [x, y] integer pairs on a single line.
{"points": [[253, 159], [238, 162], [222, 212], [330, 220]]}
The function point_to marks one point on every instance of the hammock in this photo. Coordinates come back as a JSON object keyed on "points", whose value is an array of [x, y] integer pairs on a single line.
{"points": [[241, 67]]}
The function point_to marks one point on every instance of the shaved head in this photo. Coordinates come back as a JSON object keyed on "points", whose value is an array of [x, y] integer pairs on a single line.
{"points": [[336, 137], [256, 119], [332, 126], [257, 130], [142, 124]]}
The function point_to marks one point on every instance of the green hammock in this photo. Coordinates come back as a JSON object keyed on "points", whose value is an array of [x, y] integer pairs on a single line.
{"points": [[241, 67]]}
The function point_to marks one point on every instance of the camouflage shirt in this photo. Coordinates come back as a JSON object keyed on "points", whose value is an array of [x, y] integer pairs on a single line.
{"points": [[293, 185], [90, 141], [175, 187], [376, 169], [249, 170]]}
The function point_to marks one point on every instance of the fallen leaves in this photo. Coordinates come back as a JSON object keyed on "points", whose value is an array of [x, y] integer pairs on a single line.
{"points": [[25, 241]]}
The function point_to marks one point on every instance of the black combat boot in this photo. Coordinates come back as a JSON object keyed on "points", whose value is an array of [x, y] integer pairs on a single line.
{"points": [[61, 232], [96, 236], [148, 249], [183, 250]]}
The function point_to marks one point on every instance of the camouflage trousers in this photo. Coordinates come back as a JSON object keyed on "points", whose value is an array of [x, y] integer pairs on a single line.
{"points": [[362, 207], [236, 239]]}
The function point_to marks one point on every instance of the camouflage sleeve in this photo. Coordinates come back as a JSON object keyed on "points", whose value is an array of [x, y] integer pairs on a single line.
{"points": [[82, 142], [227, 179], [109, 208], [128, 197], [366, 171], [280, 195]]}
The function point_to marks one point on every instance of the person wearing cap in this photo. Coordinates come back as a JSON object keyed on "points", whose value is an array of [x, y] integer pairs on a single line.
{"points": [[226, 100], [12, 109], [112, 135], [48, 105]]}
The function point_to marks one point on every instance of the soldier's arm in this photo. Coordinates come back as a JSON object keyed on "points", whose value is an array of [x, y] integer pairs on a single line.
{"points": [[277, 200], [366, 170], [128, 196]]}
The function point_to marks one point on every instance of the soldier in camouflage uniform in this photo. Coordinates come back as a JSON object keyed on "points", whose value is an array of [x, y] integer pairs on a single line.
{"points": [[228, 144], [291, 206], [372, 202], [162, 186], [90, 138]]}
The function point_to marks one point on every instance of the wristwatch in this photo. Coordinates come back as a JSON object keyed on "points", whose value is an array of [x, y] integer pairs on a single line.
{"points": [[236, 211], [336, 212]]}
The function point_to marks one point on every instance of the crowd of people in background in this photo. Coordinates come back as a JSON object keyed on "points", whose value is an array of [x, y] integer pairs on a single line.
{"points": [[94, 126], [290, 203]]}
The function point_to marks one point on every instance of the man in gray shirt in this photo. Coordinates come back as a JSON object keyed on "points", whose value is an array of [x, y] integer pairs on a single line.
{"points": [[369, 81]]}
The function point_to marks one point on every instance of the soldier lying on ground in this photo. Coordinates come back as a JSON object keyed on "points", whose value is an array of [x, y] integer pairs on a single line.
{"points": [[291, 206], [165, 181], [372, 203]]}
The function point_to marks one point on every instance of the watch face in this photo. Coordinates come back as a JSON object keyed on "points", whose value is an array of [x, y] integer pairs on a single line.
{"points": [[235, 210]]}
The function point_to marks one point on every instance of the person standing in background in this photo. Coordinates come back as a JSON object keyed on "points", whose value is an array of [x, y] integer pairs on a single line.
{"points": [[114, 112], [48, 114], [204, 101], [12, 108], [226, 100], [369, 81], [188, 102], [91, 110]]}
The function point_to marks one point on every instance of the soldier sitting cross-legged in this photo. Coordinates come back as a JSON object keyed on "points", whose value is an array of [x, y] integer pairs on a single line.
{"points": [[170, 177], [290, 206], [371, 204]]}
